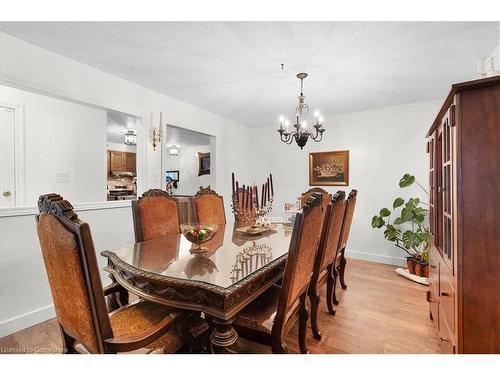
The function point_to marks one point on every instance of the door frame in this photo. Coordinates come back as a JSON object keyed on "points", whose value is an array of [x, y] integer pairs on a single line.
{"points": [[19, 172]]}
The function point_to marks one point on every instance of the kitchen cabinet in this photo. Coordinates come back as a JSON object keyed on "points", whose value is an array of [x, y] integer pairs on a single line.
{"points": [[119, 161]]}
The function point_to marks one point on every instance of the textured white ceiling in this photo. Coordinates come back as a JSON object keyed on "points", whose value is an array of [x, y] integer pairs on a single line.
{"points": [[234, 68]]}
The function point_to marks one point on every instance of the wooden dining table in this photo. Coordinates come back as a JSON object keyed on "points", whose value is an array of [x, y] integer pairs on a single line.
{"points": [[235, 269]]}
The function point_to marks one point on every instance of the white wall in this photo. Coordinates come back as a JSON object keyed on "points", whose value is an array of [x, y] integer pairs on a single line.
{"points": [[24, 296], [383, 144], [61, 138], [186, 162], [121, 147]]}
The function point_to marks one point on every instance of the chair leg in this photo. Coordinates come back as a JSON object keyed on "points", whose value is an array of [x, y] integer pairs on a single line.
{"points": [[335, 275], [68, 342], [315, 298], [279, 348], [342, 266], [330, 283], [303, 317]]}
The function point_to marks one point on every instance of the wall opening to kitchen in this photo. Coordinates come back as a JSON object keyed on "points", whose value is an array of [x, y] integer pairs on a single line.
{"points": [[121, 152], [189, 161]]}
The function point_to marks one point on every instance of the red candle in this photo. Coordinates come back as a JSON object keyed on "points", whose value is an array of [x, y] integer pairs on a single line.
{"points": [[243, 199], [237, 194], [268, 191], [272, 189], [263, 200], [256, 196]]}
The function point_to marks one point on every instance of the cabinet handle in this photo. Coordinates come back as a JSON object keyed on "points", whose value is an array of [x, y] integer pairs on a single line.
{"points": [[433, 266], [443, 339], [445, 294]]}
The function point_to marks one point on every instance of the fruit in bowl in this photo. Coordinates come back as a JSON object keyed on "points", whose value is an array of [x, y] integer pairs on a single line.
{"points": [[198, 233]]}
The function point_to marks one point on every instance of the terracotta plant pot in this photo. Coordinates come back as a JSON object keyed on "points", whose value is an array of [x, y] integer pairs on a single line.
{"points": [[410, 264], [421, 269]]}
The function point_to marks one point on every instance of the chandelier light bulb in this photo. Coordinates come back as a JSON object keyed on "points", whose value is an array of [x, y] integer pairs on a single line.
{"points": [[316, 114], [304, 124], [282, 118], [287, 123], [320, 119]]}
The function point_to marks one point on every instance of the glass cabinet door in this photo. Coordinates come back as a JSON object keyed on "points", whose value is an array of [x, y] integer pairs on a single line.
{"points": [[446, 189]]}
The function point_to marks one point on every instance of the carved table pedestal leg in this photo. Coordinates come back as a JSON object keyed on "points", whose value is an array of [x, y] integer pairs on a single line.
{"points": [[223, 336]]}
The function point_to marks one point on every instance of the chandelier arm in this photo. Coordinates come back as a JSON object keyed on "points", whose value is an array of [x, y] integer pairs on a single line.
{"points": [[286, 137]]}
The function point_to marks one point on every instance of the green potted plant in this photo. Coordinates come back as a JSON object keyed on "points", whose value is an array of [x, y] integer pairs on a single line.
{"points": [[408, 231]]}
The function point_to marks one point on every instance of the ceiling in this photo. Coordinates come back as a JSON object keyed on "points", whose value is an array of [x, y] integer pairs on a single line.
{"points": [[186, 138], [234, 68]]}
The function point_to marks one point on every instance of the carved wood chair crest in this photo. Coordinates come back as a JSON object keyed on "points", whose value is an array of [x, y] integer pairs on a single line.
{"points": [[54, 204], [206, 191], [315, 199], [155, 193]]}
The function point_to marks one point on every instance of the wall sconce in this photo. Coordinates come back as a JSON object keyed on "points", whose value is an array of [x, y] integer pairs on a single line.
{"points": [[174, 151], [156, 138]]}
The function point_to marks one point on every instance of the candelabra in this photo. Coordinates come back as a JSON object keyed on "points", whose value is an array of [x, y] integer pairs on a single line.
{"points": [[250, 259], [245, 200]]}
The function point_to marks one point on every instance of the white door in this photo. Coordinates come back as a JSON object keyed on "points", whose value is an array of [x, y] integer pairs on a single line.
{"points": [[7, 163]]}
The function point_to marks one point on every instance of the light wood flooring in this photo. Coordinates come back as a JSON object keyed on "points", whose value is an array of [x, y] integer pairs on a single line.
{"points": [[380, 312]]}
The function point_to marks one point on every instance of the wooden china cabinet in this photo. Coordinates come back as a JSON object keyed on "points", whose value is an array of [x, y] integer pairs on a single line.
{"points": [[464, 178]]}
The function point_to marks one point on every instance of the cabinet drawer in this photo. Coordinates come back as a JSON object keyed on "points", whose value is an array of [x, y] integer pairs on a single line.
{"points": [[447, 297], [445, 335]]}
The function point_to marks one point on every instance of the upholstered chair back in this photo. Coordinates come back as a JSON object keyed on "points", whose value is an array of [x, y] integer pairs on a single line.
{"points": [[72, 270], [349, 213], [302, 253], [209, 207], [330, 234], [155, 215]]}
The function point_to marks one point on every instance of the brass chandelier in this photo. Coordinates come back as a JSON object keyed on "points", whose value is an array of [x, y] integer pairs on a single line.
{"points": [[301, 132]]}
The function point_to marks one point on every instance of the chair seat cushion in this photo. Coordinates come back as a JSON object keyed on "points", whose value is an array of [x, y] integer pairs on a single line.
{"points": [[260, 314], [137, 318]]}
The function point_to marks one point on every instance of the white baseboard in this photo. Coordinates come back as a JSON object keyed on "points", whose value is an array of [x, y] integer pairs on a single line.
{"points": [[386, 259], [26, 320]]}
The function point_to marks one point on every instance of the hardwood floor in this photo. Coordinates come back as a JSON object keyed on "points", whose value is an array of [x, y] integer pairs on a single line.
{"points": [[380, 312]]}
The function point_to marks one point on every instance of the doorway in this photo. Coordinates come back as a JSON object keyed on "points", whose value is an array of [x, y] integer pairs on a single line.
{"points": [[7, 156]]}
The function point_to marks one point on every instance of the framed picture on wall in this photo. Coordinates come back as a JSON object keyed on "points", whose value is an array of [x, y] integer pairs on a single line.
{"points": [[330, 168], [204, 163], [173, 175]]}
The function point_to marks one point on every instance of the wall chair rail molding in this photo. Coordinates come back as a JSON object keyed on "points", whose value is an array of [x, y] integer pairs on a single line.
{"points": [[78, 207]]}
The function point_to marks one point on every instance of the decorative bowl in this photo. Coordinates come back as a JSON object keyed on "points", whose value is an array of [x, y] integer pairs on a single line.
{"points": [[197, 234]]}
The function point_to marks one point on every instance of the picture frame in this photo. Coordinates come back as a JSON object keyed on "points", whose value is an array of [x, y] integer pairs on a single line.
{"points": [[329, 168], [204, 163], [174, 175]]}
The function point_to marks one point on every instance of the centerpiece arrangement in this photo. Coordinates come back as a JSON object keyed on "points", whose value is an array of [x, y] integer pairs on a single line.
{"points": [[408, 231], [248, 205], [197, 234]]}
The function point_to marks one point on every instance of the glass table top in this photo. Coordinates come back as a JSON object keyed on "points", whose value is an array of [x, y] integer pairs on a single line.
{"points": [[231, 256]]}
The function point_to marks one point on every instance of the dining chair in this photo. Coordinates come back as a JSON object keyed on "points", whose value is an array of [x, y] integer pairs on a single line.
{"points": [[155, 215], [323, 271], [269, 318], [209, 207], [340, 261], [79, 299]]}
